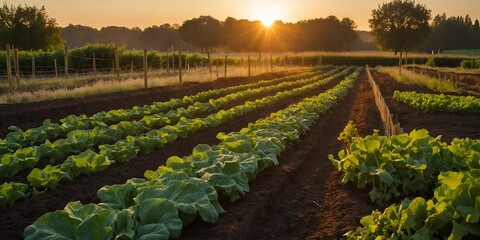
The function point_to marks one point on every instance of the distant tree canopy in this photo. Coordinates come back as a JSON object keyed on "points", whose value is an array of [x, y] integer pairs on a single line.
{"points": [[206, 32], [453, 33], [400, 25], [28, 28], [202, 32]]}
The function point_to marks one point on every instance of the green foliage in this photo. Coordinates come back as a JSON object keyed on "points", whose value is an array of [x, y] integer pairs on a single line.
{"points": [[349, 133], [188, 187], [453, 213], [401, 166], [439, 102], [467, 64], [11, 192], [400, 25], [28, 28]]}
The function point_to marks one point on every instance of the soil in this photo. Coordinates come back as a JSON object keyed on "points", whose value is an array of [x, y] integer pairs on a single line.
{"points": [[301, 198], [469, 82], [449, 125]]}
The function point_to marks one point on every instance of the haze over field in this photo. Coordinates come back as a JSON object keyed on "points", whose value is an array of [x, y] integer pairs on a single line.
{"points": [[146, 13]]}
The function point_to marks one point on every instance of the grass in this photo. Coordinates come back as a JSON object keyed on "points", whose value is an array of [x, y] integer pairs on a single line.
{"points": [[454, 70], [464, 52], [409, 77], [133, 83]]}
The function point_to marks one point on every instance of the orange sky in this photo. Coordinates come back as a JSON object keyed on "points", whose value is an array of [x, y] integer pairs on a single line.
{"points": [[145, 13]]}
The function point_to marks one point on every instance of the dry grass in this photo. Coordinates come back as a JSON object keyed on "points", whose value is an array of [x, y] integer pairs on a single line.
{"points": [[454, 70], [111, 86], [409, 77]]}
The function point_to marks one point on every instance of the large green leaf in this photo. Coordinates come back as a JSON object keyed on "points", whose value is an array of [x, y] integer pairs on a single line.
{"points": [[57, 225], [158, 211]]}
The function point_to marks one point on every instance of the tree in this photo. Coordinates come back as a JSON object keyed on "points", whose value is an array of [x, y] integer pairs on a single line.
{"points": [[202, 32], [28, 28], [400, 25]]}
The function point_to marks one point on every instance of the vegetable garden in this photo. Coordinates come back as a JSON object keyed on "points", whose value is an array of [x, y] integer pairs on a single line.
{"points": [[244, 158]]}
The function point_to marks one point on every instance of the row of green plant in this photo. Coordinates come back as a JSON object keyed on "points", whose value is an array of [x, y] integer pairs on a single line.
{"points": [[78, 141], [408, 166], [89, 161], [17, 138], [158, 206], [439, 102]]}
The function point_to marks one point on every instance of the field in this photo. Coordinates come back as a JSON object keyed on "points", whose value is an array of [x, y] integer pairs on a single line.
{"points": [[302, 197]]}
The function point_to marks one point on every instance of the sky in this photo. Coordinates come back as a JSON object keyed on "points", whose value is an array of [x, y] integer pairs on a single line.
{"points": [[146, 13]]}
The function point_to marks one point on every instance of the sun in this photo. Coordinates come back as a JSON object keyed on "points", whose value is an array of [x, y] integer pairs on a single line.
{"points": [[267, 20], [267, 14]]}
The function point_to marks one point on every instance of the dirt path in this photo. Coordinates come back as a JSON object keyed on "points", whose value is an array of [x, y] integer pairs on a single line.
{"points": [[303, 197]]}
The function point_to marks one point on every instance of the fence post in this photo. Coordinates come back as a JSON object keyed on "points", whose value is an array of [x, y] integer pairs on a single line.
{"points": [[249, 67], [271, 62], [94, 67], [179, 63], [145, 64], [33, 65], [209, 62], [217, 67], [226, 66], [17, 69], [66, 61], [168, 64], [131, 68], [473, 61], [9, 70], [55, 65], [173, 60], [117, 62]]}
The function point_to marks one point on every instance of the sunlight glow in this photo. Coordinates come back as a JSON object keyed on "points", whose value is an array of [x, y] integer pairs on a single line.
{"points": [[268, 14]]}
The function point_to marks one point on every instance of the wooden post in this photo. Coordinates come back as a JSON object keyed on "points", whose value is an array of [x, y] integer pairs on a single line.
{"points": [[33, 65], [131, 68], [285, 62], [66, 61], [94, 66], [271, 62], [173, 60], [145, 64], [117, 62], [9, 69], [168, 64], [17, 69], [179, 64], [209, 62], [55, 65], [473, 61], [400, 63], [226, 66], [303, 61], [217, 67], [249, 67]]}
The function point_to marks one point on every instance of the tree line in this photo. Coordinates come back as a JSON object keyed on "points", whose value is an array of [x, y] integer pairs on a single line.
{"points": [[453, 33]]}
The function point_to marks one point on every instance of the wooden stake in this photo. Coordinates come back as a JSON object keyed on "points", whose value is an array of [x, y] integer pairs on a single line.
{"points": [[168, 65], [209, 63], [249, 67], [179, 64], [271, 62], [217, 67], [117, 63], [66, 61], [17, 69], [56, 69], [173, 60], [145, 64], [9, 69], [94, 67], [226, 66], [33, 65], [472, 61]]}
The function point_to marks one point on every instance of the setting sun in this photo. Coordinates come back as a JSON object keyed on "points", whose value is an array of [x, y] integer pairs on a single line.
{"points": [[268, 14]]}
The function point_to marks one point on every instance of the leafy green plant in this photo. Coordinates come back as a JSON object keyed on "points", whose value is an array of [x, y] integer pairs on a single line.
{"points": [[349, 133], [453, 213], [439, 102]]}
